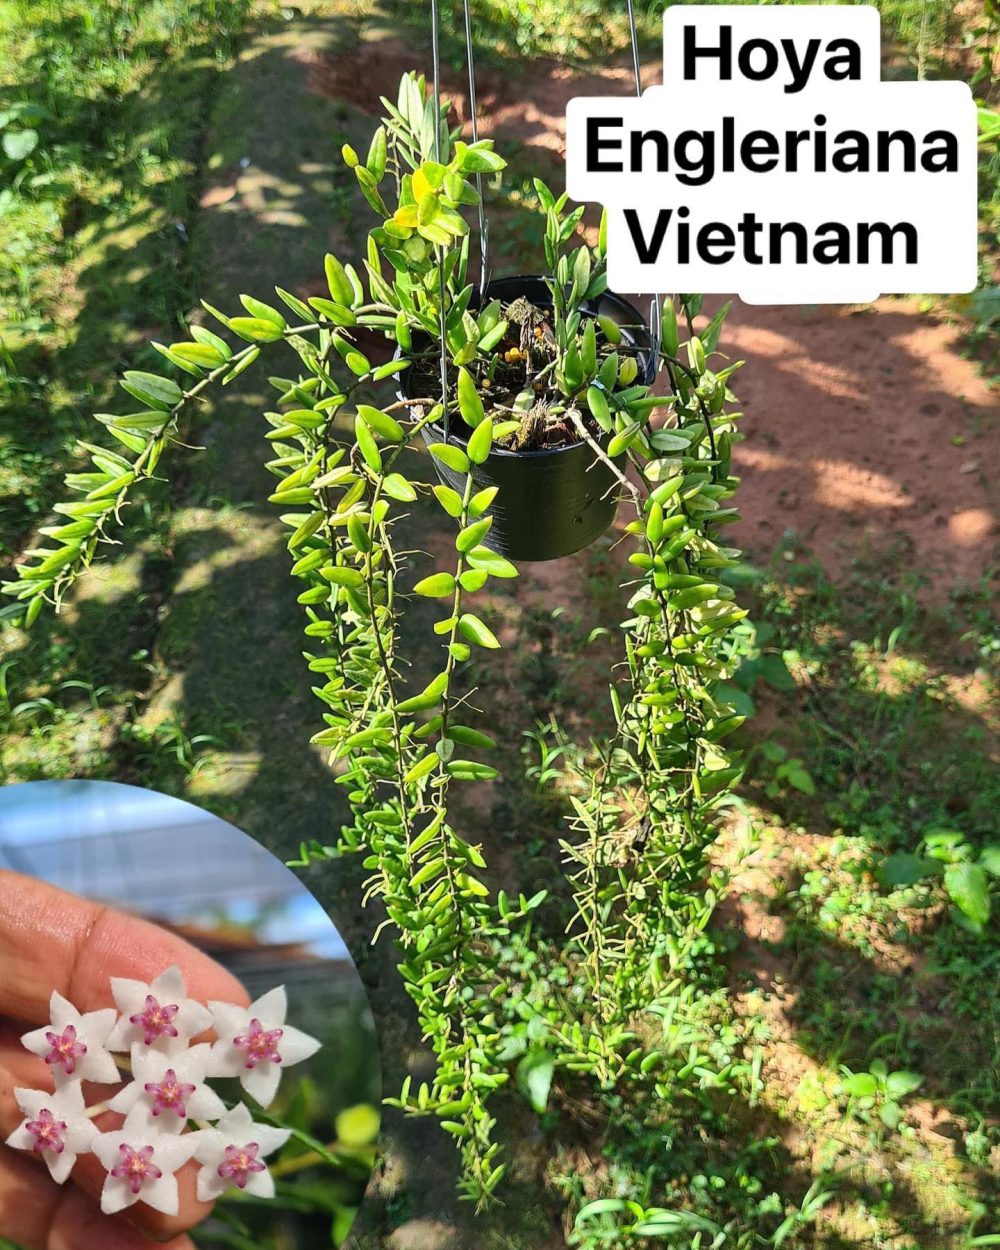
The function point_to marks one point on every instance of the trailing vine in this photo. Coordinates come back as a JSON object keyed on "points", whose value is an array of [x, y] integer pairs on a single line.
{"points": [[346, 476]]}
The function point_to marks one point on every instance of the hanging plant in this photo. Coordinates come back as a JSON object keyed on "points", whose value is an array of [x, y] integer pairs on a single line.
{"points": [[534, 401]]}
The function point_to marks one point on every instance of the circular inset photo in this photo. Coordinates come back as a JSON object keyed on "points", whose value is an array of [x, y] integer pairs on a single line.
{"points": [[186, 1049]]}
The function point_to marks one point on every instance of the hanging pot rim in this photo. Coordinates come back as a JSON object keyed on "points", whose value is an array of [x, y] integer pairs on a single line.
{"points": [[461, 434]]}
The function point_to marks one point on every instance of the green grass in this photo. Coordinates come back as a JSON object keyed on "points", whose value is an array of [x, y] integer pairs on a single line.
{"points": [[94, 217]]}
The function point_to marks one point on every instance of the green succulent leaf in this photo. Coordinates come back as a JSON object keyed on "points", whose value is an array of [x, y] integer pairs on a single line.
{"points": [[472, 628], [469, 403]]}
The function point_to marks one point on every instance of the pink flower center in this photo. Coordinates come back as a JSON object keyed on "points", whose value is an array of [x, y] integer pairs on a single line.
{"points": [[47, 1132], [170, 1094], [137, 1167], [156, 1020], [260, 1044], [66, 1050], [239, 1163]]}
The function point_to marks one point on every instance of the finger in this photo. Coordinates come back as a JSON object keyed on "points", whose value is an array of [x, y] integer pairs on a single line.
{"points": [[90, 1176], [25, 1068], [52, 940], [39, 1215], [21, 1070]]}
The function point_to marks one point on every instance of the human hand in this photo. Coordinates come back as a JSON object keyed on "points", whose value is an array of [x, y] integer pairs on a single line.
{"points": [[52, 940]]}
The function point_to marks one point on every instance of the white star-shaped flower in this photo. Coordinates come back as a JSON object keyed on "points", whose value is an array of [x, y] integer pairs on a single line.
{"points": [[55, 1127], [255, 1044], [158, 1014], [169, 1089], [232, 1153], [75, 1046], [140, 1162]]}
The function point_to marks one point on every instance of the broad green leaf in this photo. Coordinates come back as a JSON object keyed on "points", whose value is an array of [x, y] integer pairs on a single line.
{"points": [[481, 500], [397, 487], [470, 737], [200, 354], [367, 445], [624, 439], [472, 628], [148, 388], [775, 672], [534, 1078], [801, 780], [18, 145], [339, 314], [421, 769], [201, 335], [358, 533], [469, 403], [241, 366], [449, 499], [337, 280], [859, 1085], [494, 564], [968, 889], [480, 441], [264, 312], [384, 426], [597, 402], [437, 586], [899, 1084], [340, 576], [471, 770], [904, 868], [472, 534], [299, 307], [377, 155], [429, 697], [454, 457], [255, 329], [357, 1126]]}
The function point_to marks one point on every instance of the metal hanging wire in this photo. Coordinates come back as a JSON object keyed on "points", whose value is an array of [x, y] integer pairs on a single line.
{"points": [[655, 311], [484, 225], [442, 315]]}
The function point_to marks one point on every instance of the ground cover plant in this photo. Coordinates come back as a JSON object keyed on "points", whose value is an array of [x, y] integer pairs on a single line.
{"points": [[750, 1154]]}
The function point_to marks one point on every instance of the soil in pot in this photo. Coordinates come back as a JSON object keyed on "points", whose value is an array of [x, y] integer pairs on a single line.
{"points": [[555, 495]]}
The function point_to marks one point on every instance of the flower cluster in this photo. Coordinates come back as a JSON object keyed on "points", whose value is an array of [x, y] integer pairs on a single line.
{"points": [[156, 1025]]}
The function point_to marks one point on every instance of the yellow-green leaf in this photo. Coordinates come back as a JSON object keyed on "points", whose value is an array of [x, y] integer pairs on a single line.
{"points": [[454, 457], [472, 627], [384, 426], [480, 441], [437, 586], [469, 403]]}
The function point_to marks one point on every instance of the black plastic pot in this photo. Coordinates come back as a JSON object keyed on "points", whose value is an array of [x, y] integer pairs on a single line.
{"points": [[558, 500]]}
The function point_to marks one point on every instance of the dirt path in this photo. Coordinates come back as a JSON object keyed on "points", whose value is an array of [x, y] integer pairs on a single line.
{"points": [[866, 427]]}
